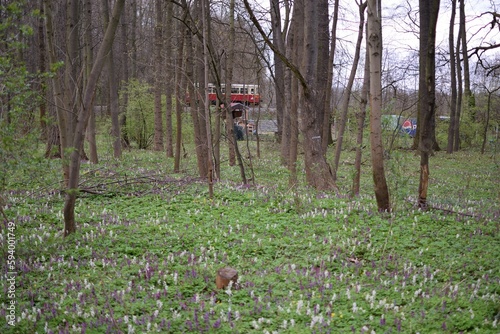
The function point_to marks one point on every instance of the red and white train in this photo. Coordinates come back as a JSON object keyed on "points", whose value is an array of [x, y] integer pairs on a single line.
{"points": [[240, 93]]}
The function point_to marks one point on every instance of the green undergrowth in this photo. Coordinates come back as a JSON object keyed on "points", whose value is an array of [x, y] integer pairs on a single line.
{"points": [[149, 244]]}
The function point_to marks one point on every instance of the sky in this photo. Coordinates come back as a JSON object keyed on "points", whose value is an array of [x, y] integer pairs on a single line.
{"points": [[400, 34]]}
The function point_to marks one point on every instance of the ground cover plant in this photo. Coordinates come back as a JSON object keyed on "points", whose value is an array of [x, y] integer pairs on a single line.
{"points": [[149, 244]]}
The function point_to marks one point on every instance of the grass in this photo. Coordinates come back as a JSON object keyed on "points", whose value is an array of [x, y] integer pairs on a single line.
{"points": [[147, 249]]}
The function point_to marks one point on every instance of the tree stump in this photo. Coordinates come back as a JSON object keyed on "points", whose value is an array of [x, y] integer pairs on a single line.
{"points": [[224, 276]]}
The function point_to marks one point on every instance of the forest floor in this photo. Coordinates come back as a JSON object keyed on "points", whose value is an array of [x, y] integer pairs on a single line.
{"points": [[149, 244]]}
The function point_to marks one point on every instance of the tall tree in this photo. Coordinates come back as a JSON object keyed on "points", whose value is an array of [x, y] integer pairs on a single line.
{"points": [[376, 146], [291, 124], [60, 103], [279, 34], [327, 122], [76, 143], [208, 129], [231, 136], [318, 173], [158, 75], [126, 77], [179, 93], [348, 90], [465, 56], [278, 38], [113, 91], [169, 74], [453, 81], [360, 118], [460, 94], [429, 10], [88, 61]]}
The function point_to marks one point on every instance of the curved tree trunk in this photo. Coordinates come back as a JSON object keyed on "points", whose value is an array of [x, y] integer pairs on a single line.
{"points": [[82, 120]]}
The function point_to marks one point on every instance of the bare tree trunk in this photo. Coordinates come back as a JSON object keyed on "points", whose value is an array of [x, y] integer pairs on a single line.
{"points": [[294, 132], [458, 107], [158, 74], [348, 90], [195, 73], [43, 69], [208, 130], [89, 60], [376, 149], [231, 136], [133, 35], [125, 56], [429, 10], [53, 142], [72, 64], [83, 117], [318, 173], [469, 103], [179, 97], [327, 123], [360, 117], [169, 72], [487, 120], [59, 101], [285, 83], [113, 92], [279, 68], [293, 92], [453, 81]]}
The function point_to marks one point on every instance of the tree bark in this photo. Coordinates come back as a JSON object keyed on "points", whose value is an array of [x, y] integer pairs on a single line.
{"points": [[469, 103], [318, 173], [169, 72], [376, 146], [453, 81], [126, 74], [279, 70], [329, 114], [43, 69], [231, 136], [458, 107], [291, 124], [179, 98], [429, 10], [89, 60], [158, 75], [208, 154]]}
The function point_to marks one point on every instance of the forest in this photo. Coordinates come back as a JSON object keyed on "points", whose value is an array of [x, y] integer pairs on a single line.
{"points": [[248, 166]]}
